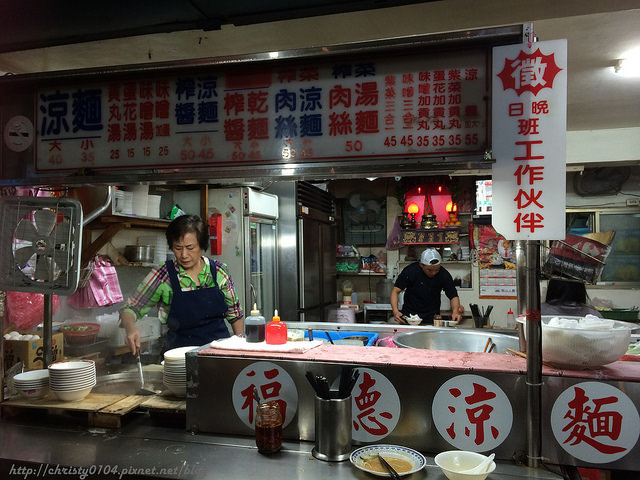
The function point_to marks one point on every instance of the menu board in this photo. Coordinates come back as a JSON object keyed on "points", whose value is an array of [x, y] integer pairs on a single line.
{"points": [[319, 111]]}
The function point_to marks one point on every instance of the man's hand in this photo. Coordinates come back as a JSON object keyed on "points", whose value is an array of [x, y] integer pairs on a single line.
{"points": [[397, 316], [456, 315]]}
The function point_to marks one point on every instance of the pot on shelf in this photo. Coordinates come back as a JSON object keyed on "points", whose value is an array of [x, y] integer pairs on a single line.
{"points": [[139, 253]]}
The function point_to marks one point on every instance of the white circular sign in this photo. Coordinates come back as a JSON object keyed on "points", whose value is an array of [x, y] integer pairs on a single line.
{"points": [[18, 133], [472, 413], [375, 407], [273, 384], [595, 422]]}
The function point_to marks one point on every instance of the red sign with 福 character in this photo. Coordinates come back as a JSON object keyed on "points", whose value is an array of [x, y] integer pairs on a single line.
{"points": [[529, 110]]}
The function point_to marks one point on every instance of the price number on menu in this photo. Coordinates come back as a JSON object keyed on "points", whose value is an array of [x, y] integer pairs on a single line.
{"points": [[451, 140]]}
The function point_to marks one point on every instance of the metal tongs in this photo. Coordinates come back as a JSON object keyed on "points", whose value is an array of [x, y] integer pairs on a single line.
{"points": [[392, 473], [142, 390]]}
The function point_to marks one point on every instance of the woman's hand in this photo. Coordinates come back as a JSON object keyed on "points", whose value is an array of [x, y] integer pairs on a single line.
{"points": [[132, 331]]}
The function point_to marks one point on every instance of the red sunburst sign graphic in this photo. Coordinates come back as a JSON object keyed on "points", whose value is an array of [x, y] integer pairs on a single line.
{"points": [[529, 72]]}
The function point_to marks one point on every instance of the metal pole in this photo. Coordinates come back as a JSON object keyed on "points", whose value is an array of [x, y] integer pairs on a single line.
{"points": [[47, 328], [3, 297], [534, 354]]}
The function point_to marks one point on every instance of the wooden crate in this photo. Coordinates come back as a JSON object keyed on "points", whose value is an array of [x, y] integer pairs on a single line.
{"points": [[101, 409]]}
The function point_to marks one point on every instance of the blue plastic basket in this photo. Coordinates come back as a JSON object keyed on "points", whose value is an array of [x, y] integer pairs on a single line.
{"points": [[322, 335]]}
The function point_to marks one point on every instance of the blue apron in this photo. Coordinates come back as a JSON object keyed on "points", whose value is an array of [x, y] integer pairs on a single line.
{"points": [[196, 316]]}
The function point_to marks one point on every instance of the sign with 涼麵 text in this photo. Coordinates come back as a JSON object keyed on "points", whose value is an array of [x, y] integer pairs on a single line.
{"points": [[529, 110], [325, 110]]}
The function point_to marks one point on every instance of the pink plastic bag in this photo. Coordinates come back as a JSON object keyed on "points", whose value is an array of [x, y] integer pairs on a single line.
{"points": [[26, 309], [102, 289], [386, 342]]}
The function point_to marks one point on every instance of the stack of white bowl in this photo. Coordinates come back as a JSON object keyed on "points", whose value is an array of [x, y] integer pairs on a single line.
{"points": [[33, 384], [174, 375], [73, 380]]}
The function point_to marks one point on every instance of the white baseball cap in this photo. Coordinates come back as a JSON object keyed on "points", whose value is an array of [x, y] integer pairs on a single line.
{"points": [[430, 257]]}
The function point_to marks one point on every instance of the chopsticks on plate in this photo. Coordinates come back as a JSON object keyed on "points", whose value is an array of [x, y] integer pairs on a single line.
{"points": [[389, 468]]}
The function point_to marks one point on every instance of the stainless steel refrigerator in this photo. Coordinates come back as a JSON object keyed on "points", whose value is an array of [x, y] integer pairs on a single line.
{"points": [[306, 251], [249, 244]]}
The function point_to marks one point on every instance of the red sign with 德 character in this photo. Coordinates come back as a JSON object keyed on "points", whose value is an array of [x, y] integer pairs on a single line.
{"points": [[529, 111], [375, 407]]}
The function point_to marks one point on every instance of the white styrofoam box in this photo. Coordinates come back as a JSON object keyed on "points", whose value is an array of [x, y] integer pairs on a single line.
{"points": [[153, 206], [150, 329], [109, 323]]}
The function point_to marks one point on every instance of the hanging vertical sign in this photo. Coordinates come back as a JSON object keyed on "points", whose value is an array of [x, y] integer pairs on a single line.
{"points": [[529, 111]]}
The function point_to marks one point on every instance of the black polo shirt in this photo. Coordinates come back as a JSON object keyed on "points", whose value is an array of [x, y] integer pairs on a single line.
{"points": [[421, 293]]}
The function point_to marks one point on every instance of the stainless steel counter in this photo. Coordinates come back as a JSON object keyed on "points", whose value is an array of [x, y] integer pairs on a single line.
{"points": [[144, 450]]}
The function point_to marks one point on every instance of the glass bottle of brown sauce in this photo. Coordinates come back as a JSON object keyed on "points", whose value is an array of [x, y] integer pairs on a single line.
{"points": [[268, 427]]}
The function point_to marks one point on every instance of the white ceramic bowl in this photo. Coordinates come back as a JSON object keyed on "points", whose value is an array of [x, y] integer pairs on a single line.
{"points": [[73, 395], [413, 319], [72, 365], [454, 462], [33, 376], [33, 393]]}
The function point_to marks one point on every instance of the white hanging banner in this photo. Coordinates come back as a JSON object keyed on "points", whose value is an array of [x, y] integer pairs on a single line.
{"points": [[529, 118]]}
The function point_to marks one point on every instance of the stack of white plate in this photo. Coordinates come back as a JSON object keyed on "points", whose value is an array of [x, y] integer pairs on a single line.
{"points": [[33, 384], [72, 380], [174, 375]]}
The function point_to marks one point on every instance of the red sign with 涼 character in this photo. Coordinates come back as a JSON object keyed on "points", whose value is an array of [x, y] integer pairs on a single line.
{"points": [[529, 140]]}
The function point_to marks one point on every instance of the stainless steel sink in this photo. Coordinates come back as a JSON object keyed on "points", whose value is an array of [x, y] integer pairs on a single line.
{"points": [[457, 340], [127, 383]]}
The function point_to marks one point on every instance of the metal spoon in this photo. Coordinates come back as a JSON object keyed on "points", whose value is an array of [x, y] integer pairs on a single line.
{"points": [[142, 390]]}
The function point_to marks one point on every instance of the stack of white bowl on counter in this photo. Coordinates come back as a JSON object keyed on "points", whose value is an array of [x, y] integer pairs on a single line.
{"points": [[72, 381], [174, 375], [33, 384]]}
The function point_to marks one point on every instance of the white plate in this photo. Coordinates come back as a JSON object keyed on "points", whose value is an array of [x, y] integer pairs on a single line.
{"points": [[362, 454], [177, 353]]}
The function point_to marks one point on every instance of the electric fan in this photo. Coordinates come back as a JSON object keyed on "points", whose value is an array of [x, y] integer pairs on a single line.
{"points": [[40, 240]]}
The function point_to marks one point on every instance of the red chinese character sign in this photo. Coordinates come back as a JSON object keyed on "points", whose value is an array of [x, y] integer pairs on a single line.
{"points": [[595, 422], [529, 117], [375, 407], [472, 413], [273, 383]]}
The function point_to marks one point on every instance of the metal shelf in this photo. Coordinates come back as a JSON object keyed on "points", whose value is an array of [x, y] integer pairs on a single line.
{"points": [[362, 274]]}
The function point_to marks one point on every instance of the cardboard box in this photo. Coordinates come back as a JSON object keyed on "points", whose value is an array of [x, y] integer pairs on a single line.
{"points": [[31, 352]]}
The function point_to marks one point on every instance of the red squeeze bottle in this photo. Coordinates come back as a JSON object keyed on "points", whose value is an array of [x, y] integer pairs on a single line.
{"points": [[276, 331]]}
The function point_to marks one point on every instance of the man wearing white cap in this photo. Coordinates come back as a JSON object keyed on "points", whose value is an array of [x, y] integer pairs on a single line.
{"points": [[422, 283]]}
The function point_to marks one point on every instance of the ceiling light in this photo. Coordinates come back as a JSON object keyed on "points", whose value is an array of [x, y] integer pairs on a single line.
{"points": [[628, 67]]}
